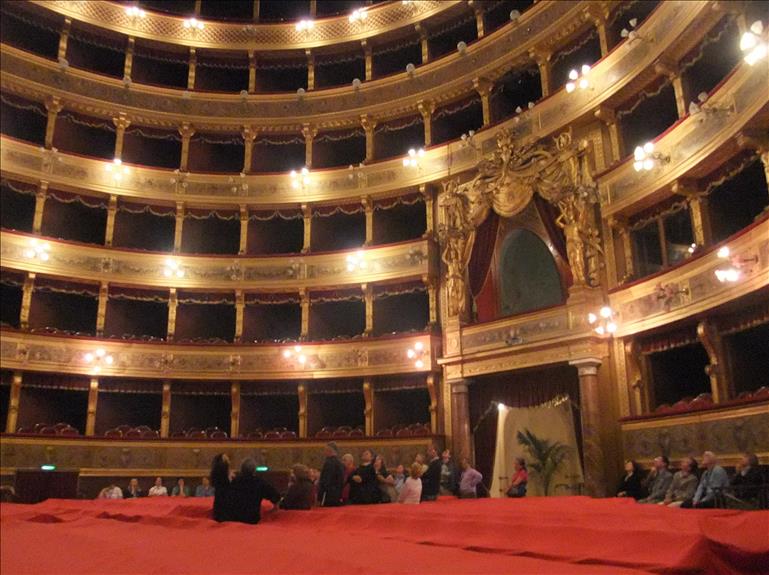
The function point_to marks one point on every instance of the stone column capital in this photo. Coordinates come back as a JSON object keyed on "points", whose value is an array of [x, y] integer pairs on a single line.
{"points": [[587, 366]]}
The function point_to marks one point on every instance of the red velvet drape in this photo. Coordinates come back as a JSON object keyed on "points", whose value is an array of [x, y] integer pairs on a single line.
{"points": [[483, 253]]}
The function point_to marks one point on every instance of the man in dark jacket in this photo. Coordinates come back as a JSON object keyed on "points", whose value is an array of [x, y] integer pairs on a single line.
{"points": [[747, 480], [431, 479], [247, 491], [331, 479]]}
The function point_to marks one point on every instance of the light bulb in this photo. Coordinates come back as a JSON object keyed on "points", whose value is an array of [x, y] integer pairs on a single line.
{"points": [[411, 354], [419, 346], [592, 318], [724, 252], [287, 353], [419, 364], [605, 312], [573, 75]]}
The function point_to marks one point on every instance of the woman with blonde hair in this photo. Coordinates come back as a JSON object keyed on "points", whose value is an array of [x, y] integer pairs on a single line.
{"points": [[412, 488]]}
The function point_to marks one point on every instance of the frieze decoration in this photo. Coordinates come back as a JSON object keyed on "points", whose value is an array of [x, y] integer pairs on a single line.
{"points": [[286, 273], [728, 432], [505, 183], [355, 357]]}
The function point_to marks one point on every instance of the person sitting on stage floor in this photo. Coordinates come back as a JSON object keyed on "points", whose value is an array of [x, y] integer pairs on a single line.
{"points": [[331, 478], [449, 483], [520, 479], [631, 485], [301, 491], [400, 478], [133, 490], [221, 478], [747, 479], [112, 491], [204, 489], [411, 492], [713, 480], [180, 489], [431, 479], [659, 481], [158, 490], [364, 487], [684, 484], [348, 461], [385, 481], [247, 491], [468, 481]]}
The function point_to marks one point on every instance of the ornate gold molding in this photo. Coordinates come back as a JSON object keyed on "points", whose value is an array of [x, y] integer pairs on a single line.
{"points": [[225, 363], [411, 260]]}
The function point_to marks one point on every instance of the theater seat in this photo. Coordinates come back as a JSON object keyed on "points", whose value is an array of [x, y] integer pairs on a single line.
{"points": [[384, 433], [114, 433], [218, 434], [47, 430], [341, 433], [255, 435], [272, 435], [323, 434], [69, 431], [199, 434], [133, 434], [288, 435], [150, 434], [405, 432], [357, 433]]}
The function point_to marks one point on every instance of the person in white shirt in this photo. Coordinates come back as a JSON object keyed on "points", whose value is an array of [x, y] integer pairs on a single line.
{"points": [[412, 487], [158, 490], [111, 492]]}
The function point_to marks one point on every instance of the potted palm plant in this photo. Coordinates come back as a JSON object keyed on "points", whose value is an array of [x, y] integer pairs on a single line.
{"points": [[546, 456]]}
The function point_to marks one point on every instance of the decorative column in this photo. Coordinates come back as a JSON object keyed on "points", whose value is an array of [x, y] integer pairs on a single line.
{"points": [[368, 207], [426, 108], [545, 69], [256, 10], [186, 131], [53, 105], [240, 306], [671, 69], [40, 196], [173, 302], [193, 62], [196, 9], [432, 389], [101, 311], [249, 134], [178, 227], [718, 369], [121, 123], [309, 132], [243, 247], [14, 402], [460, 419], [93, 400], [484, 86], [368, 410], [369, 59], [109, 232], [129, 58], [423, 43], [313, 8], [590, 411], [235, 409], [310, 70], [478, 9], [609, 119], [252, 71], [369, 123], [621, 225], [427, 194], [26, 299], [304, 302], [637, 378], [368, 298], [307, 218], [599, 16], [699, 211], [165, 410], [301, 391], [64, 38], [432, 295]]}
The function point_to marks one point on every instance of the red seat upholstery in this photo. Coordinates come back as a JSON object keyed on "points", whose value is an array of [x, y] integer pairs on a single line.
{"points": [[341, 433], [218, 434], [133, 434], [272, 435], [199, 434], [288, 435], [384, 433], [405, 432], [69, 431], [124, 428], [47, 430], [255, 435], [323, 434], [357, 433], [761, 393], [113, 433], [150, 434]]}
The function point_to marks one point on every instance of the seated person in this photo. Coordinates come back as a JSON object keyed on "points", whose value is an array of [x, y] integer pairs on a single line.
{"points": [[180, 489], [247, 491], [301, 491], [133, 490], [112, 491], [631, 485], [412, 488], [400, 478], [468, 481], [684, 484], [746, 482], [714, 479], [659, 481], [158, 490], [204, 489], [385, 480], [221, 477], [364, 487], [520, 479]]}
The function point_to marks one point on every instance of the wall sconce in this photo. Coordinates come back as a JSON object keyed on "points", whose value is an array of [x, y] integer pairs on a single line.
{"points": [[134, 12], [356, 261], [412, 159], [513, 337], [355, 172], [733, 272], [242, 187], [304, 25], [668, 292], [752, 45], [173, 269], [300, 92], [127, 82], [186, 95], [63, 64], [645, 158], [301, 179], [193, 24], [630, 33], [468, 140], [180, 178], [358, 15], [514, 15], [295, 352], [603, 323], [462, 47], [692, 249], [699, 106], [356, 84], [117, 169], [37, 250], [578, 79], [98, 359], [417, 354]]}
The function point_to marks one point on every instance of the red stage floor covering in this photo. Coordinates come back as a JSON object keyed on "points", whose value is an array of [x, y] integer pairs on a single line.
{"points": [[575, 535]]}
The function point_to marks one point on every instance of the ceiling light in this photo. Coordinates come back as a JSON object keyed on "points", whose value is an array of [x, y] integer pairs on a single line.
{"points": [[752, 45]]}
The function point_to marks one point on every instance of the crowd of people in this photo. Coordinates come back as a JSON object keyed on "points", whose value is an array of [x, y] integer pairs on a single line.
{"points": [[687, 487]]}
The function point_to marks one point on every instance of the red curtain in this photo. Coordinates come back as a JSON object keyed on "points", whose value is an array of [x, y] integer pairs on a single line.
{"points": [[483, 253], [548, 213]]}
